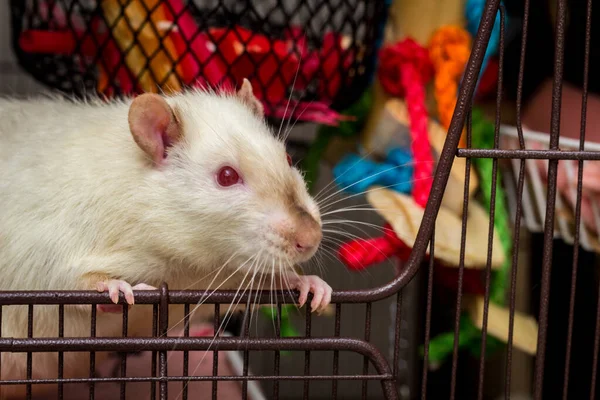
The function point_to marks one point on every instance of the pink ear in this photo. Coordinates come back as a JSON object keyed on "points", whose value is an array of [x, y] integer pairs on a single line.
{"points": [[246, 94], [153, 125]]}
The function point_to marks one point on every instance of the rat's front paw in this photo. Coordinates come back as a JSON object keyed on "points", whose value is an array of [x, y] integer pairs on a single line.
{"points": [[310, 283], [113, 287]]}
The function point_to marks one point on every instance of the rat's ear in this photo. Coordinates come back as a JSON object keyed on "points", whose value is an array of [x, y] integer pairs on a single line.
{"points": [[247, 95], [153, 125]]}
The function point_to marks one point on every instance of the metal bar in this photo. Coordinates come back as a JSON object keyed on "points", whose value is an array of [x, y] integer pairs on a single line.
{"points": [[246, 334], [551, 199], [518, 214], [154, 354], [461, 264], [29, 355], [215, 371], [428, 317], [61, 333], [336, 354], [584, 102], [529, 154], [307, 334], [488, 266], [367, 339], [398, 324], [375, 377], [163, 327], [186, 354], [92, 353], [277, 354], [124, 355]]}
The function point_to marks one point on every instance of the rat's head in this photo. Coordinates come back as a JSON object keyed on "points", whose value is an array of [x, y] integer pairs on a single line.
{"points": [[224, 181]]}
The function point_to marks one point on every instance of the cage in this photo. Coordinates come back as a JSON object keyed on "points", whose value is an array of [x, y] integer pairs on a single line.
{"points": [[367, 369]]}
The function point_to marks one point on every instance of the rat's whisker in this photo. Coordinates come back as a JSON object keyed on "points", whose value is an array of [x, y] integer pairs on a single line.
{"points": [[352, 222], [207, 296], [352, 236], [290, 96], [372, 190], [342, 189], [258, 289], [273, 295], [198, 305], [226, 319], [366, 178], [288, 129], [347, 209]]}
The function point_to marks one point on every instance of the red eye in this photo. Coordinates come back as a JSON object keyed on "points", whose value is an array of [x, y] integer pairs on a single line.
{"points": [[289, 159], [228, 176]]}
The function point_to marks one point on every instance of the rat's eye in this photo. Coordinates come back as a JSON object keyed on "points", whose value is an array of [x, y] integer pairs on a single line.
{"points": [[289, 159], [228, 176]]}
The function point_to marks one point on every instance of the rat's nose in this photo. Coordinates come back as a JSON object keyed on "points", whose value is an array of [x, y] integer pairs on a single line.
{"points": [[308, 240]]}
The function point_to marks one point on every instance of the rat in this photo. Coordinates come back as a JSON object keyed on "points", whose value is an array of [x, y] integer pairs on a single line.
{"points": [[121, 195]]}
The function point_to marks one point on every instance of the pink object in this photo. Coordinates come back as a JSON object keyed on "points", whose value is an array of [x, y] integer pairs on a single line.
{"points": [[315, 111], [566, 184], [200, 364]]}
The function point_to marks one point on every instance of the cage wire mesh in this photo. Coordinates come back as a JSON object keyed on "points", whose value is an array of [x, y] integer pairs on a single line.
{"points": [[77, 72], [324, 50]]}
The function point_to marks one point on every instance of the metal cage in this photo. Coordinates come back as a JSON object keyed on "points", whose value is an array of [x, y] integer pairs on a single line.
{"points": [[375, 369]]}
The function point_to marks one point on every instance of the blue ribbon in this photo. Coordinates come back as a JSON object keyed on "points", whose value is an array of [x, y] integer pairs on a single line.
{"points": [[356, 174]]}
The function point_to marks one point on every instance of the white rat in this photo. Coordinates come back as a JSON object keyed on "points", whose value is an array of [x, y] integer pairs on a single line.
{"points": [[123, 195]]}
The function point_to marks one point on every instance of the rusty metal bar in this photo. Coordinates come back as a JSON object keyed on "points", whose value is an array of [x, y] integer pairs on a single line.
{"points": [[124, 355], [397, 329], [92, 353], [163, 326], [518, 216], [428, 317], [61, 333], [584, 102], [246, 334], [550, 199], [154, 354], [307, 334], [529, 154], [215, 370], [234, 378], [367, 339], [186, 354], [29, 355], [488, 266], [461, 264], [336, 354], [277, 354]]}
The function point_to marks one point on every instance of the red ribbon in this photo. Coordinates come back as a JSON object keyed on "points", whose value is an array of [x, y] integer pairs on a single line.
{"points": [[404, 70], [359, 254]]}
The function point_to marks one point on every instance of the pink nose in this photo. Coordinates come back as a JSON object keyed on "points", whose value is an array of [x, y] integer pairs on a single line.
{"points": [[308, 240]]}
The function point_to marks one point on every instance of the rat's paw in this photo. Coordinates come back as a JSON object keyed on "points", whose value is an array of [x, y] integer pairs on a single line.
{"points": [[113, 287], [320, 289]]}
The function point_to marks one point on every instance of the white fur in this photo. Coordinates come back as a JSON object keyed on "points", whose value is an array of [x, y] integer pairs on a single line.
{"points": [[77, 196]]}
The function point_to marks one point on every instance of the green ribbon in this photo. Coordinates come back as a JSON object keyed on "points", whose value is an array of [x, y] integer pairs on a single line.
{"points": [[441, 346]]}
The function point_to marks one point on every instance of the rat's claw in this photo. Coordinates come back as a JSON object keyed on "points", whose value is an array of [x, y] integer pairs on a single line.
{"points": [[113, 287], [320, 289]]}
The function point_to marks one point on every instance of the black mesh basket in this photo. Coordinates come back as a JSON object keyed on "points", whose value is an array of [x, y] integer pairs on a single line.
{"points": [[325, 50]]}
